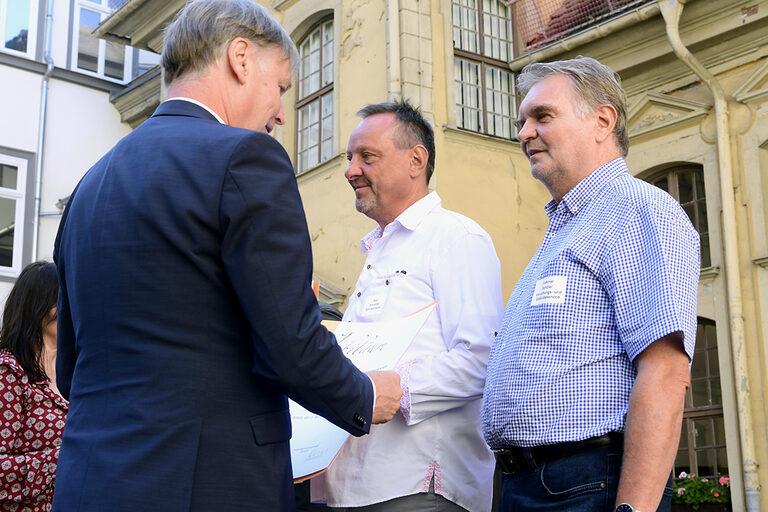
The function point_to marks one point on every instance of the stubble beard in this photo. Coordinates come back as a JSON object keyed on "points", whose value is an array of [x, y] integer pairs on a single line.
{"points": [[365, 204]]}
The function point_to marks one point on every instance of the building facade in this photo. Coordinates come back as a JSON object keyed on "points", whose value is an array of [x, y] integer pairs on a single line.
{"points": [[696, 74], [56, 120]]}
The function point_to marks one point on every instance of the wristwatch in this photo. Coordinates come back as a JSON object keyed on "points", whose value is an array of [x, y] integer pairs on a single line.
{"points": [[625, 507]]}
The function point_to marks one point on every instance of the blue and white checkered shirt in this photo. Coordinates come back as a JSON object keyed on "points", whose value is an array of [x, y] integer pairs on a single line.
{"points": [[618, 269]]}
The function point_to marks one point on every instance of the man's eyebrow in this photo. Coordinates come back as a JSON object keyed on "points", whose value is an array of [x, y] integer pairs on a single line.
{"points": [[544, 108]]}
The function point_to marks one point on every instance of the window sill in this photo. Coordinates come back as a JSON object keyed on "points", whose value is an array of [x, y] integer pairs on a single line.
{"points": [[709, 273], [321, 167], [460, 134]]}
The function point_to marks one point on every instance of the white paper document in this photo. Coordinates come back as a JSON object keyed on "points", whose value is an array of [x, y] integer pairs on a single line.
{"points": [[370, 346]]}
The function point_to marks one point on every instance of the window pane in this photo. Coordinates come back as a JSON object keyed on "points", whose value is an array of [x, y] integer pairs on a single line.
{"points": [[705, 462], [88, 46], [699, 393], [309, 73], [690, 210], [465, 35], [717, 396], [704, 432], [17, 25], [7, 230], [701, 207], [327, 53], [714, 363], [699, 366], [496, 27], [700, 185], [116, 4], [309, 132], [662, 184], [114, 65], [147, 60], [468, 99], [499, 101], [685, 187], [722, 462], [8, 176], [326, 150]]}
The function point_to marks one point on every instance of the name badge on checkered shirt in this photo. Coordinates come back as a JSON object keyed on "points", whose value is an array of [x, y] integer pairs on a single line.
{"points": [[549, 290]]}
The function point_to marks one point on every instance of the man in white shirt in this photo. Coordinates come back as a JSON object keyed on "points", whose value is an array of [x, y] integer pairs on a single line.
{"points": [[432, 456]]}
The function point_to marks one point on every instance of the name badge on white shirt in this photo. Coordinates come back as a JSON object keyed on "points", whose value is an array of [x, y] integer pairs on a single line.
{"points": [[374, 304], [549, 290]]}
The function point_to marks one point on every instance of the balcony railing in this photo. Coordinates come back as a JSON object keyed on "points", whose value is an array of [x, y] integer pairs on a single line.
{"points": [[540, 22]]}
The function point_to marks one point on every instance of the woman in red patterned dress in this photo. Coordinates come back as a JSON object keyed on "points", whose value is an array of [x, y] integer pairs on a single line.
{"points": [[32, 413]]}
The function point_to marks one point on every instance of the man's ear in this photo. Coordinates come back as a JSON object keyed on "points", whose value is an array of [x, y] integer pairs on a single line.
{"points": [[419, 158], [237, 57], [605, 121]]}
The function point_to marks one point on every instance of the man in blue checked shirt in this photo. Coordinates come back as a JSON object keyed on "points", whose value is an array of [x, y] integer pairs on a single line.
{"points": [[584, 394]]}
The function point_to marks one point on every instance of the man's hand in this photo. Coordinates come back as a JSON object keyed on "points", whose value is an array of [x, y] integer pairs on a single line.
{"points": [[388, 394]]}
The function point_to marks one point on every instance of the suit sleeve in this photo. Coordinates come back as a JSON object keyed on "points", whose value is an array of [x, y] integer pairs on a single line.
{"points": [[65, 339], [267, 255]]}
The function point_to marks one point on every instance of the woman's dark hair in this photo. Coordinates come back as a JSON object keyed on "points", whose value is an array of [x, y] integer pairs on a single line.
{"points": [[27, 307]]}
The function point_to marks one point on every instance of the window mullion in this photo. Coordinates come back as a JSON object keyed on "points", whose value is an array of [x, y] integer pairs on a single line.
{"points": [[480, 28], [484, 95]]}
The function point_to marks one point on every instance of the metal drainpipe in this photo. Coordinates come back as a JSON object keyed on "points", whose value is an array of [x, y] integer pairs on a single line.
{"points": [[41, 127], [393, 56], [672, 10]]}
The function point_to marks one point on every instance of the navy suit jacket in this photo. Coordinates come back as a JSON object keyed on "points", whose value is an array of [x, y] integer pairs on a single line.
{"points": [[186, 316]]}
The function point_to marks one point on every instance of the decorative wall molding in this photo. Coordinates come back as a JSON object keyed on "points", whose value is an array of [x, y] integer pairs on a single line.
{"points": [[755, 88], [654, 111]]}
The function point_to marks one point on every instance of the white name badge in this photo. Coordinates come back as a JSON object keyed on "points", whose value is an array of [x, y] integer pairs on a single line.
{"points": [[549, 290], [374, 304]]}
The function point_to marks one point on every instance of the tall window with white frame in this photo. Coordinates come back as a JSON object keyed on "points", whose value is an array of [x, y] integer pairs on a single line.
{"points": [[18, 27], [13, 179], [314, 99], [98, 57], [482, 48]]}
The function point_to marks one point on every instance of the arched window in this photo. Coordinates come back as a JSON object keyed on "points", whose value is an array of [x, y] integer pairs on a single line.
{"points": [[314, 99], [702, 440], [686, 184], [484, 85]]}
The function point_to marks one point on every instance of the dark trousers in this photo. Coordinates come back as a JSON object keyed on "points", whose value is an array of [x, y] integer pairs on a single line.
{"points": [[583, 482]]}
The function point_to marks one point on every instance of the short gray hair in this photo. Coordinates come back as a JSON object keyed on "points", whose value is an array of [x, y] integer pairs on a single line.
{"points": [[593, 83], [199, 34]]}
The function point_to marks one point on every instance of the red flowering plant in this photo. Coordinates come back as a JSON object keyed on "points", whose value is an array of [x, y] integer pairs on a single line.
{"points": [[693, 490]]}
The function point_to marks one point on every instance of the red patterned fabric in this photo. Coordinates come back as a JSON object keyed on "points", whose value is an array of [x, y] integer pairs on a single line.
{"points": [[32, 420]]}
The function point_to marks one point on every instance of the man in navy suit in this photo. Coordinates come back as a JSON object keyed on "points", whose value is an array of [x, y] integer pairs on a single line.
{"points": [[186, 314]]}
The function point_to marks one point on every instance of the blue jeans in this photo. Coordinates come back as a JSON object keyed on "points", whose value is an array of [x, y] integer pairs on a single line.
{"points": [[584, 482]]}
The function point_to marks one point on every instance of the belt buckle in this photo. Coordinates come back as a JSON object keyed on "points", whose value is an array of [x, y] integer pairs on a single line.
{"points": [[506, 462]]}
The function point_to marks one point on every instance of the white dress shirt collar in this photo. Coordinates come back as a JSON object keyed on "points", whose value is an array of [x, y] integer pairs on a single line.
{"points": [[199, 104], [409, 219]]}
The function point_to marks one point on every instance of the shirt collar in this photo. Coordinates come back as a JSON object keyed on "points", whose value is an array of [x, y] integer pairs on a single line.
{"points": [[585, 190], [199, 104], [409, 219]]}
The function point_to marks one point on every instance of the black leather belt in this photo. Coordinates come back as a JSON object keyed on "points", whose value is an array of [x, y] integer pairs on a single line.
{"points": [[512, 460]]}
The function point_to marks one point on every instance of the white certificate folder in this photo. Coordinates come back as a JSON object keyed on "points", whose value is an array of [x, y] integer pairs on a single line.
{"points": [[370, 346]]}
